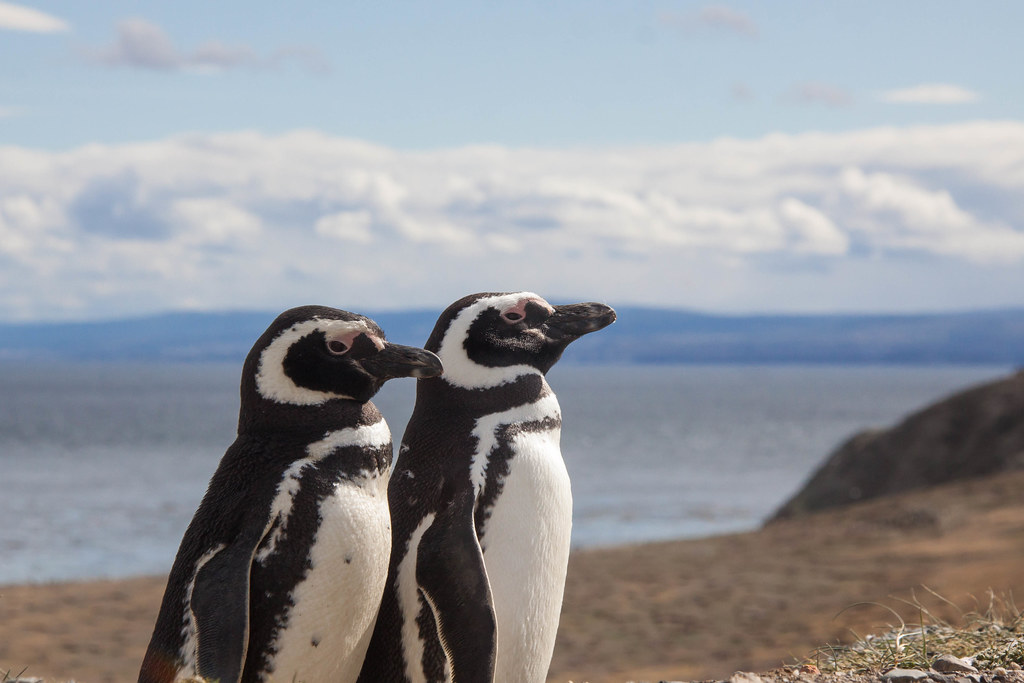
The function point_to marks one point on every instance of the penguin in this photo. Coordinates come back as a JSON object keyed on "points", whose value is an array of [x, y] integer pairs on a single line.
{"points": [[480, 500], [279, 574]]}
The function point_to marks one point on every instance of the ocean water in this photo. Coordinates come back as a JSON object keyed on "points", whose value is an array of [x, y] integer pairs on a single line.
{"points": [[103, 465]]}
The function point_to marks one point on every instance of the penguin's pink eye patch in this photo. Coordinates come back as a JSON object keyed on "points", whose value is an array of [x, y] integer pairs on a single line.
{"points": [[340, 342], [518, 313]]}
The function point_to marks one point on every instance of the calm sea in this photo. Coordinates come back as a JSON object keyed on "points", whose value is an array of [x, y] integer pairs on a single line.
{"points": [[102, 466]]}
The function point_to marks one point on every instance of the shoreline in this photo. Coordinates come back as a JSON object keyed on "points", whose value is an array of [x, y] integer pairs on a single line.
{"points": [[669, 610], [610, 547]]}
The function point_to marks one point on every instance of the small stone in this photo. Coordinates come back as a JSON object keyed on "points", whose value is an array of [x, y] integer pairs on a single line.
{"points": [[950, 664], [904, 675], [999, 672], [745, 677], [808, 670]]}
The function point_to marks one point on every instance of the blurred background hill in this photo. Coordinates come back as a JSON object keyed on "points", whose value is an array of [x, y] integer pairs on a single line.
{"points": [[641, 335]]}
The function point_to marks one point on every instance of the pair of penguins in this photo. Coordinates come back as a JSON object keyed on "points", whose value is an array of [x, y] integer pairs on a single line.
{"points": [[307, 562]]}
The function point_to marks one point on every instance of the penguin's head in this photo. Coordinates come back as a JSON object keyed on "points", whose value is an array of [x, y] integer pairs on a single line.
{"points": [[485, 340], [313, 354]]}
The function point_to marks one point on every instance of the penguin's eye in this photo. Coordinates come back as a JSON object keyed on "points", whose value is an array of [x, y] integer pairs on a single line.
{"points": [[337, 347], [512, 316]]}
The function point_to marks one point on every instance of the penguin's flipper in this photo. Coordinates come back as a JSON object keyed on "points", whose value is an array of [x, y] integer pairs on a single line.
{"points": [[220, 607], [462, 606]]}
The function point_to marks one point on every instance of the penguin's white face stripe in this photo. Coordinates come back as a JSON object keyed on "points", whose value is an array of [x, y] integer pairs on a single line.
{"points": [[376, 435], [410, 604], [189, 629], [271, 381], [486, 431], [462, 372]]}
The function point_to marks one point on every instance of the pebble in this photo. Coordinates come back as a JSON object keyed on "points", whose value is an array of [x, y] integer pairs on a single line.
{"points": [[745, 677], [904, 676], [950, 664]]}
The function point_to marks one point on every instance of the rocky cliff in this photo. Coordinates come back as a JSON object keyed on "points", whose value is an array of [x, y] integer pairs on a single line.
{"points": [[975, 432]]}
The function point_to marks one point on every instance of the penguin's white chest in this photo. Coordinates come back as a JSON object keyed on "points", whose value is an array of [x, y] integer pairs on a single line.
{"points": [[330, 623], [526, 551]]}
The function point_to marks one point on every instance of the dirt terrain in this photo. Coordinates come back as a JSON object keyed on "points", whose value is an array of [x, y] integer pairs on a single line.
{"points": [[685, 610]]}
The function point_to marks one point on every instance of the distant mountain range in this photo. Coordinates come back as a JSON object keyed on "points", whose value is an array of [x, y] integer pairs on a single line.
{"points": [[641, 335]]}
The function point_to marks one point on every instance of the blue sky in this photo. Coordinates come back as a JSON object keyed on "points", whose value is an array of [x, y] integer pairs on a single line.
{"points": [[439, 74], [738, 156]]}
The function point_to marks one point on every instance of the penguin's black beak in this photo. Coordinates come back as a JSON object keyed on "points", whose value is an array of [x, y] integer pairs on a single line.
{"points": [[576, 320], [396, 361]]}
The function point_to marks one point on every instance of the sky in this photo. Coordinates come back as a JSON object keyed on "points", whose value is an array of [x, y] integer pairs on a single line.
{"points": [[728, 157]]}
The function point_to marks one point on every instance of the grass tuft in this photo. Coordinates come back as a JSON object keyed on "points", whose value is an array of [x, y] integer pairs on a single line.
{"points": [[8, 677], [989, 637]]}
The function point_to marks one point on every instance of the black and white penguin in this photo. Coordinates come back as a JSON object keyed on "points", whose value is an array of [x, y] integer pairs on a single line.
{"points": [[480, 500], [280, 573]]}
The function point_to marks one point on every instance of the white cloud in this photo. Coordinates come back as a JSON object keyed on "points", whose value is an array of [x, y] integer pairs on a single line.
{"points": [[350, 226], [714, 18], [897, 213], [723, 17], [932, 93], [309, 58], [142, 44], [812, 230], [741, 92], [214, 221], [20, 18], [816, 92], [246, 220], [215, 55]]}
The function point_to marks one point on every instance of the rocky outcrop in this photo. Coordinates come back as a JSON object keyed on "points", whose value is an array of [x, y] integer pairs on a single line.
{"points": [[973, 433]]}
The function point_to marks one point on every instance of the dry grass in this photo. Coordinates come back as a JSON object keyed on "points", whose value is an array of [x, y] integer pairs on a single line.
{"points": [[990, 635]]}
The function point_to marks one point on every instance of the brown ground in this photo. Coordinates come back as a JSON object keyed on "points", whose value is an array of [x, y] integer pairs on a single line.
{"points": [[670, 611]]}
